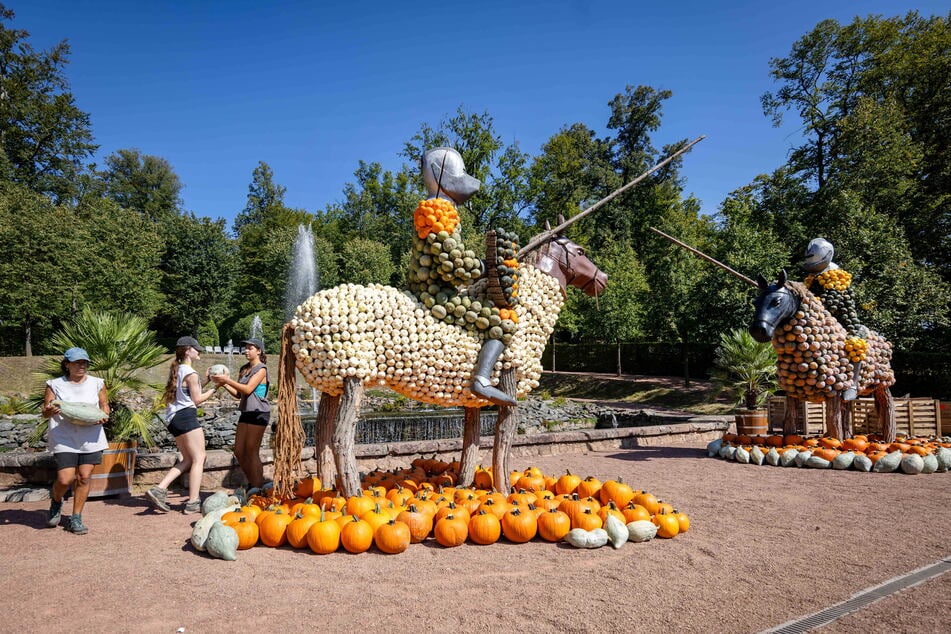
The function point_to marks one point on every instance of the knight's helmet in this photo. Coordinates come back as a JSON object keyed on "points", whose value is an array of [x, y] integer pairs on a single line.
{"points": [[445, 172], [818, 255]]}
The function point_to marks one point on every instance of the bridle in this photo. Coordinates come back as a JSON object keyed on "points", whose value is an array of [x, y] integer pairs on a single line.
{"points": [[568, 271]]}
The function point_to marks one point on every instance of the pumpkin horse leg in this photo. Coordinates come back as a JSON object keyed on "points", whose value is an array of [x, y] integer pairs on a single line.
{"points": [[505, 428], [344, 436], [834, 416], [885, 405], [470, 446], [323, 438]]}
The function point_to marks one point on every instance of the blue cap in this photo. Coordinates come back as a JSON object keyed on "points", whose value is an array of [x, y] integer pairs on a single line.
{"points": [[76, 354]]}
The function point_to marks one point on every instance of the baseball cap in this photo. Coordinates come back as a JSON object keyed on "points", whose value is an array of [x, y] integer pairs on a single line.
{"points": [[188, 341], [257, 343], [76, 354]]}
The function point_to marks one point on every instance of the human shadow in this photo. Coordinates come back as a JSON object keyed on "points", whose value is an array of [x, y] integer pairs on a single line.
{"points": [[31, 518]]}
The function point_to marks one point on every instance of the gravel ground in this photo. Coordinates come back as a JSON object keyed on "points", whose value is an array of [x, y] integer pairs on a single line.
{"points": [[766, 545]]}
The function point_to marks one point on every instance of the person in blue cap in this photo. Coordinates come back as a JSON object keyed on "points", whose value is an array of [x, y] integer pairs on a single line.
{"points": [[183, 394], [76, 448], [251, 388]]}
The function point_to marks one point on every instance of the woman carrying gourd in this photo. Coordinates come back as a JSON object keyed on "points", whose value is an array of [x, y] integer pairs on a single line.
{"points": [[77, 445], [251, 388], [182, 396]]}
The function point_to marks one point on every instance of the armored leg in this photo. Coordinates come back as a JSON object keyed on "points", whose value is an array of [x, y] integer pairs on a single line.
{"points": [[852, 393], [481, 384]]}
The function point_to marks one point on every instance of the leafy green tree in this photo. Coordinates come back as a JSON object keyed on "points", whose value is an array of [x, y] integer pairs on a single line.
{"points": [[144, 183], [264, 197], [198, 268], [44, 137], [366, 262]]}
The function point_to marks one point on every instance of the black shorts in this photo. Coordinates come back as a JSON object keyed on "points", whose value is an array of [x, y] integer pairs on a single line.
{"points": [[70, 460], [184, 421], [255, 418]]}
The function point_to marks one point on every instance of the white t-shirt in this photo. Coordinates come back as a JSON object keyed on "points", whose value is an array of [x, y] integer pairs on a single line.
{"points": [[182, 398], [63, 436]]}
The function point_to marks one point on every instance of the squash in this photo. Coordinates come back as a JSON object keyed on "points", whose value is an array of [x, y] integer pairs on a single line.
{"points": [[742, 455], [772, 457], [756, 455], [80, 413], [817, 462], [844, 460], [944, 459], [713, 447], [222, 542], [580, 538], [641, 531], [616, 530], [930, 463], [888, 463], [788, 458], [802, 457], [862, 463], [203, 526], [215, 501], [912, 464], [727, 452]]}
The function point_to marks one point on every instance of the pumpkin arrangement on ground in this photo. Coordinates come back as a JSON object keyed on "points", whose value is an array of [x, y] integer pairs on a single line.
{"points": [[910, 455], [409, 506]]}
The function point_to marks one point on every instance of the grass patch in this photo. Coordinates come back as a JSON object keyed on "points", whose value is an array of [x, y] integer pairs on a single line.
{"points": [[668, 392]]}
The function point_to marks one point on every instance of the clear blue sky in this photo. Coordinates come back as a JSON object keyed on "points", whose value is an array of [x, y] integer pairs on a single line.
{"points": [[313, 87]]}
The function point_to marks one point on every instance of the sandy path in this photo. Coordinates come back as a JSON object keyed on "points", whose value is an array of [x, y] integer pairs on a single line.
{"points": [[766, 545]]}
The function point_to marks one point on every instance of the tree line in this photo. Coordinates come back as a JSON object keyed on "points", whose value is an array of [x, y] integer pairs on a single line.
{"points": [[873, 175]]}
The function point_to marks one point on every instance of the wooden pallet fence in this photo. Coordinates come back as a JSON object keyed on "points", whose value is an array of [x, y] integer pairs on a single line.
{"points": [[913, 416]]}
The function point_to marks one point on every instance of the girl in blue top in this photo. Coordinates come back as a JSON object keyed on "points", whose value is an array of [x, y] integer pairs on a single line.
{"points": [[251, 387]]}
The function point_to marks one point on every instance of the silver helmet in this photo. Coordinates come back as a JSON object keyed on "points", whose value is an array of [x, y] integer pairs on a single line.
{"points": [[818, 255], [445, 172]]}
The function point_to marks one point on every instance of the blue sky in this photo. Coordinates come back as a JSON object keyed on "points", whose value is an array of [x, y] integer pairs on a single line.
{"points": [[311, 88]]}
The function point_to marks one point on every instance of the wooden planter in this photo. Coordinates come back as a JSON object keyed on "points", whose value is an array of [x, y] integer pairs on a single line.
{"points": [[113, 476], [752, 422]]}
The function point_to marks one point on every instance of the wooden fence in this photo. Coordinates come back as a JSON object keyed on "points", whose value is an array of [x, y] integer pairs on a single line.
{"points": [[913, 416]]}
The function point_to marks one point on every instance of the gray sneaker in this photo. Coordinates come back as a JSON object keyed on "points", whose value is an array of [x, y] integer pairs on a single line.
{"points": [[192, 506], [156, 497], [55, 514], [76, 526]]}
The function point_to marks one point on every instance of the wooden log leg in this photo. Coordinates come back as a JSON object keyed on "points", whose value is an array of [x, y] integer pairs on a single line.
{"points": [[791, 417], [834, 417], [323, 439], [470, 445], [344, 437], [885, 405], [847, 408], [505, 428]]}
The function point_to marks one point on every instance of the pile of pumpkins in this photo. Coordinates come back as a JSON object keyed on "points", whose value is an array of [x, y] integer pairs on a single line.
{"points": [[911, 455], [413, 505]]}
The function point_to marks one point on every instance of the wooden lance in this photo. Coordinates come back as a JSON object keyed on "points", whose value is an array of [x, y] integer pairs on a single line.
{"points": [[544, 236], [706, 257]]}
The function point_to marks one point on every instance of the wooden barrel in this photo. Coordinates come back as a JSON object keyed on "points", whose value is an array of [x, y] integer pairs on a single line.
{"points": [[113, 476], [752, 422]]}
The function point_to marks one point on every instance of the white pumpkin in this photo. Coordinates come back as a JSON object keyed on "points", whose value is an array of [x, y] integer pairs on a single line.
{"points": [[616, 530], [641, 531], [802, 457], [713, 448], [580, 538], [930, 463], [742, 455], [788, 458], [202, 526], [944, 459], [843, 460], [756, 455], [862, 463], [912, 464], [773, 457], [889, 463], [215, 501], [815, 462]]}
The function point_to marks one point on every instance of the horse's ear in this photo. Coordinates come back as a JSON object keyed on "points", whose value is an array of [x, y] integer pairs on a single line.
{"points": [[782, 278], [761, 282], [547, 226], [561, 219]]}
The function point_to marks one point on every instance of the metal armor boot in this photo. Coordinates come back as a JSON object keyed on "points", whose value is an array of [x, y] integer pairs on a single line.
{"points": [[851, 393], [481, 383]]}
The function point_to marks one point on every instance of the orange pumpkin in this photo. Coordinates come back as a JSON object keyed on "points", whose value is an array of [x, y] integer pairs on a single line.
{"points": [[589, 487], [484, 528], [647, 500], [392, 538], [420, 524], [297, 529], [667, 525], [307, 487], [553, 525], [247, 532], [356, 536], [634, 512], [519, 526], [323, 536], [567, 483], [451, 530], [586, 520], [616, 491]]}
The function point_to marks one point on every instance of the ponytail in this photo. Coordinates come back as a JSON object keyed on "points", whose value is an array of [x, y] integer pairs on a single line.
{"points": [[171, 386]]}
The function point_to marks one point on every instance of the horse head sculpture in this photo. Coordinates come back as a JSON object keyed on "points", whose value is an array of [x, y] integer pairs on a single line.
{"points": [[774, 305]]}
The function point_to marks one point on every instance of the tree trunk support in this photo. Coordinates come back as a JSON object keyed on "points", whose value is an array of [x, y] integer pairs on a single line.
{"points": [[885, 405], [344, 436], [505, 428], [834, 417], [470, 445], [323, 439]]}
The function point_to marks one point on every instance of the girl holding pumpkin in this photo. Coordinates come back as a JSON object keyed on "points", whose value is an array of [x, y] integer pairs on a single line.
{"points": [[182, 396], [251, 388], [76, 448]]}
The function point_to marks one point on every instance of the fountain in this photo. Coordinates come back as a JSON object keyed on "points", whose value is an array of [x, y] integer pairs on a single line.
{"points": [[257, 331], [303, 280]]}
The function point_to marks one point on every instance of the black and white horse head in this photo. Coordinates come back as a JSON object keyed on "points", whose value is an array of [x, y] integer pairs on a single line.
{"points": [[775, 304]]}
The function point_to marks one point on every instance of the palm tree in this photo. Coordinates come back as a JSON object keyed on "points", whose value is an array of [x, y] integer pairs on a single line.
{"points": [[120, 346], [745, 368]]}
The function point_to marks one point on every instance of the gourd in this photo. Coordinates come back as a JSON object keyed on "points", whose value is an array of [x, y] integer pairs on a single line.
{"points": [[843, 460], [756, 455], [203, 526], [80, 413], [616, 530], [912, 464], [580, 538], [930, 463], [773, 457], [713, 447], [889, 463], [222, 542], [944, 459], [217, 500], [742, 455], [217, 369], [802, 457], [817, 462], [788, 458], [641, 531], [862, 463]]}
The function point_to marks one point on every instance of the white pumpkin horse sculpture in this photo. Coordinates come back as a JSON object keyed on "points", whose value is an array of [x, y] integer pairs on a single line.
{"points": [[349, 336]]}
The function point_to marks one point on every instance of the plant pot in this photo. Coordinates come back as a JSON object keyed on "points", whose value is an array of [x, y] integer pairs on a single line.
{"points": [[113, 476], [752, 422]]}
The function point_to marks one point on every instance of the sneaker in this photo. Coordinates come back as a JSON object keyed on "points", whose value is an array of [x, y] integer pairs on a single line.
{"points": [[192, 506], [156, 497], [76, 526], [55, 514]]}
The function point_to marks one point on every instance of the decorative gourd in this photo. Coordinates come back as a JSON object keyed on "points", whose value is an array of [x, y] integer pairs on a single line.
{"points": [[802, 457], [580, 538], [930, 463], [218, 369], [742, 455], [222, 542], [756, 455], [944, 459], [215, 501], [888, 463], [843, 460], [616, 530], [713, 447], [788, 458], [80, 413], [202, 526], [641, 531], [912, 464], [773, 457], [862, 463], [817, 462]]}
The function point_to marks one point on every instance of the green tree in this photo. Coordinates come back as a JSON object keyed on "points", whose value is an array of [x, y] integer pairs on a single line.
{"points": [[144, 183], [366, 262], [44, 137], [264, 197]]}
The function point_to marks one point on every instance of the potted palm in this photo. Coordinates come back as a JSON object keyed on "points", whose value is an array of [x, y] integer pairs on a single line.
{"points": [[121, 346], [746, 370]]}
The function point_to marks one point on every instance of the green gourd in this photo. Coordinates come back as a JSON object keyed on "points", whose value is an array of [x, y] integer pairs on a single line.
{"points": [[80, 413], [222, 542], [203, 526]]}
